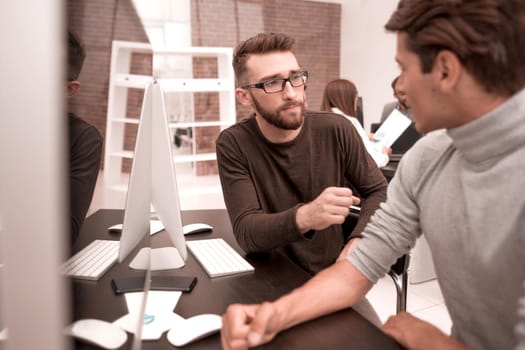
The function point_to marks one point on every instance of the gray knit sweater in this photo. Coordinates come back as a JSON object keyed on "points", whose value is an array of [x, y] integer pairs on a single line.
{"points": [[464, 189]]}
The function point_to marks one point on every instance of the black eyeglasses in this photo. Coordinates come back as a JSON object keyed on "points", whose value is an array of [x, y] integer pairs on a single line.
{"points": [[277, 85]]}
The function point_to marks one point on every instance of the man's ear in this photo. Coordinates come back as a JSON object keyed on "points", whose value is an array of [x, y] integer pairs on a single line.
{"points": [[447, 69], [73, 87], [243, 96]]}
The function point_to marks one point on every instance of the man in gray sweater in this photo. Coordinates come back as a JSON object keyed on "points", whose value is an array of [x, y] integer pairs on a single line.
{"points": [[461, 186]]}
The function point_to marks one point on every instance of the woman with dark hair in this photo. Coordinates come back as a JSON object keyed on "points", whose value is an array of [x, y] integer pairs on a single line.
{"points": [[340, 96]]}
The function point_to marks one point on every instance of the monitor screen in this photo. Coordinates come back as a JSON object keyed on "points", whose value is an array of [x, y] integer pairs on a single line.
{"points": [[153, 181], [138, 200], [164, 190], [359, 114]]}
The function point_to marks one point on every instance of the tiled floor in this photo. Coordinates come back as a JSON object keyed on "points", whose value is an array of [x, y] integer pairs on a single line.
{"points": [[424, 299]]}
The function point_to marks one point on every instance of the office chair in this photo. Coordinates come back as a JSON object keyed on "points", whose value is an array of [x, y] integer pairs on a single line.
{"points": [[398, 272]]}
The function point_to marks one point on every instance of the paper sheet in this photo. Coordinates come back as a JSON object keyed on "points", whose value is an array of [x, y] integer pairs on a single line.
{"points": [[3, 334], [159, 316], [391, 129]]}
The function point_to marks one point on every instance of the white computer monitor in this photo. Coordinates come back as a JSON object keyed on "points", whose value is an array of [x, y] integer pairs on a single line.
{"points": [[153, 182]]}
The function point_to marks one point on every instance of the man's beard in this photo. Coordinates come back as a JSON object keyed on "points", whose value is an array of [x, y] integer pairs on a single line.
{"points": [[292, 122]]}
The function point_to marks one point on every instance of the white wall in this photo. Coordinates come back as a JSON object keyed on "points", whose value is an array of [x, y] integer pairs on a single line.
{"points": [[368, 51]]}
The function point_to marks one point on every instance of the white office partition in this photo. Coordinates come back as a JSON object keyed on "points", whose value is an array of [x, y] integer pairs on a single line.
{"points": [[32, 173]]}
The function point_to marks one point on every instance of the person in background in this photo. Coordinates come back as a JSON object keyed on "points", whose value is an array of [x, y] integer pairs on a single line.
{"points": [[284, 170], [340, 96], [410, 135], [85, 143], [462, 70], [400, 103]]}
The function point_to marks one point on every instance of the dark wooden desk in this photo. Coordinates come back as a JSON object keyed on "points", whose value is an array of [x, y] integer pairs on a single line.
{"points": [[274, 276]]}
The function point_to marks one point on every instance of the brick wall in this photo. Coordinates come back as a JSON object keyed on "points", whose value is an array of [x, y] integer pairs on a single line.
{"points": [[99, 22], [314, 25]]}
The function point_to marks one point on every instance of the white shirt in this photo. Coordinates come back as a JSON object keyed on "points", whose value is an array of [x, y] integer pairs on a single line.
{"points": [[378, 156]]}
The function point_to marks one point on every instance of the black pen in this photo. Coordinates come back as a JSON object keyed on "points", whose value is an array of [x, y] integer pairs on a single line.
{"points": [[355, 209]]}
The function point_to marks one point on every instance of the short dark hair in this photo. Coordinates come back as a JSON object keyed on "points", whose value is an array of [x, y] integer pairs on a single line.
{"points": [[75, 55], [259, 44], [486, 35]]}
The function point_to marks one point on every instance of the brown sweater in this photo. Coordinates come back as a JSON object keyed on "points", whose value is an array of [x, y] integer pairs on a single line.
{"points": [[264, 184]]}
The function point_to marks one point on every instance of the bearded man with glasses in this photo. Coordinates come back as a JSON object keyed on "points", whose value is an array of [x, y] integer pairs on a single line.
{"points": [[287, 173]]}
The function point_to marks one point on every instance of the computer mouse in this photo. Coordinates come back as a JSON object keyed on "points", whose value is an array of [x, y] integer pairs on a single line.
{"points": [[3, 334], [196, 228], [115, 228], [194, 328], [101, 333], [154, 227]]}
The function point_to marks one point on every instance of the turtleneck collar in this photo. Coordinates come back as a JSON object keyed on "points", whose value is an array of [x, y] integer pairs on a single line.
{"points": [[496, 133]]}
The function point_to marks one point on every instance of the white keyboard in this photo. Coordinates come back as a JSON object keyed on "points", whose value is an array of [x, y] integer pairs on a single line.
{"points": [[217, 257], [92, 261]]}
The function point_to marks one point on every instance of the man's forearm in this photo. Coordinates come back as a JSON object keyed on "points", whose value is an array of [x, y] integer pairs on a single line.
{"points": [[259, 232], [335, 288]]}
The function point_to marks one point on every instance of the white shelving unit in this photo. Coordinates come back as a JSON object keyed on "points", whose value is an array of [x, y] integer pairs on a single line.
{"points": [[121, 80]]}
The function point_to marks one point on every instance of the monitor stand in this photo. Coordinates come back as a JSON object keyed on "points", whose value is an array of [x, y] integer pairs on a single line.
{"points": [[157, 259]]}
